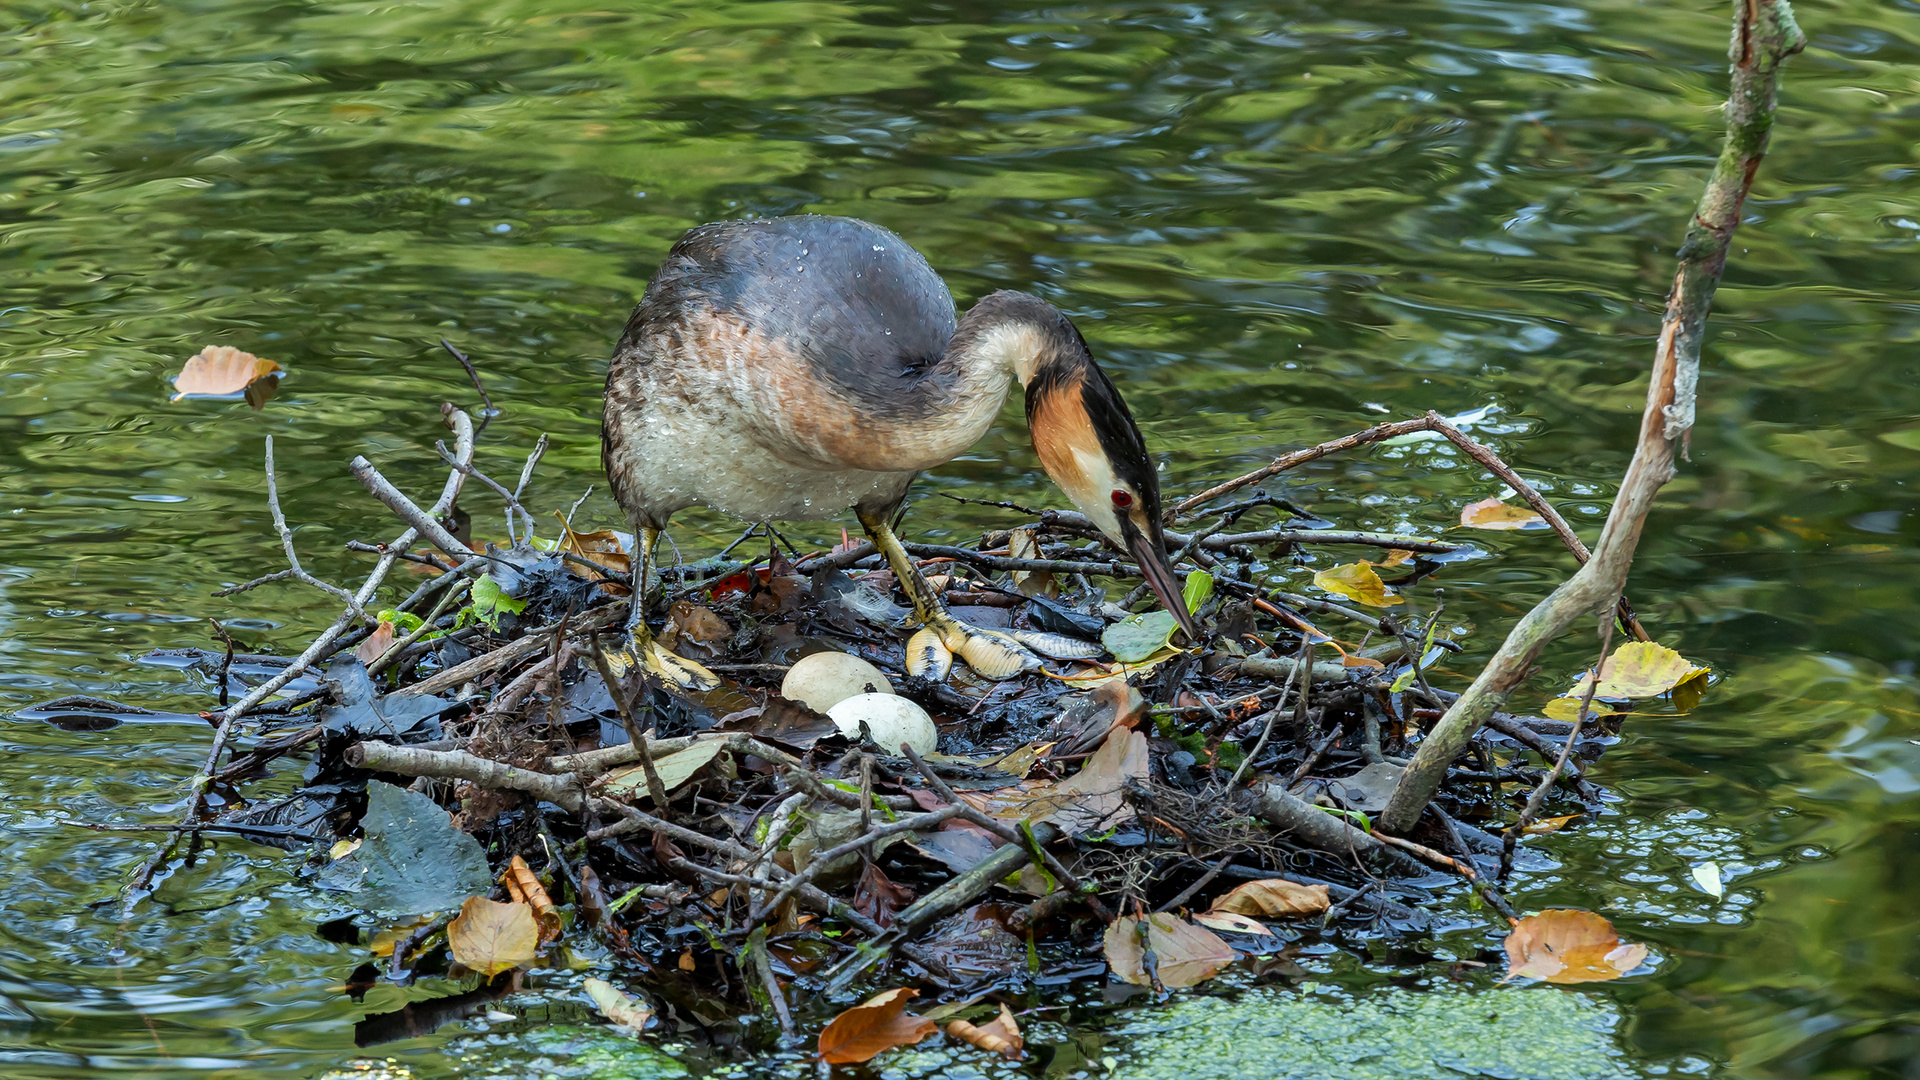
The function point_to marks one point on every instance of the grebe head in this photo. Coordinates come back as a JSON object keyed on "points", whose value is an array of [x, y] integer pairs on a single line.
{"points": [[1084, 434]]}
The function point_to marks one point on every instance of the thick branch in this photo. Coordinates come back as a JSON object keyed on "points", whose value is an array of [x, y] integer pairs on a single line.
{"points": [[1764, 36]]}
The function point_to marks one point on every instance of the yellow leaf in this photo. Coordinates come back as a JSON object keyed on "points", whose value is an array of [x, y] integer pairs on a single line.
{"points": [[1396, 557], [491, 938], [1568, 708], [1563, 945], [1640, 669], [1494, 514], [1357, 582], [1551, 825], [618, 1006]]}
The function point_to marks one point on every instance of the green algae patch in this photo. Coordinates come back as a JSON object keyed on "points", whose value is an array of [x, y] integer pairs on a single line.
{"points": [[1531, 1033], [570, 1052]]}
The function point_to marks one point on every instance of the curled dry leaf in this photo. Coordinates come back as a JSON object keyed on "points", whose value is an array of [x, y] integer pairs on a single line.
{"points": [[1090, 800], [491, 938], [603, 548], [1640, 669], [525, 888], [219, 371], [1494, 514], [1563, 945], [1002, 1036], [1184, 954], [619, 1007], [878, 1024], [1273, 897], [376, 645], [1357, 582]]}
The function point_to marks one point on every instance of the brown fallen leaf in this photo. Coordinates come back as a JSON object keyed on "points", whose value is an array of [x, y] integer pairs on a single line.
{"points": [[220, 371], [1273, 897], [1184, 954], [698, 623], [1496, 515], [491, 938], [1358, 582], [525, 888], [1092, 799], [877, 897], [1564, 945], [1001, 1036], [602, 548], [617, 1006], [1640, 669], [879, 1024], [376, 645]]}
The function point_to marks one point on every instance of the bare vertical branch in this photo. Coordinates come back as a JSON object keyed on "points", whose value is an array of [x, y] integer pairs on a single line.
{"points": [[1764, 36]]}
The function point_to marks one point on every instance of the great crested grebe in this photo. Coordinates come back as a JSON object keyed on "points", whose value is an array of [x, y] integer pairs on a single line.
{"points": [[790, 368]]}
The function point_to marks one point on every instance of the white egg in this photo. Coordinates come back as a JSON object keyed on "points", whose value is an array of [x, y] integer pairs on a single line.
{"points": [[825, 679], [892, 720]]}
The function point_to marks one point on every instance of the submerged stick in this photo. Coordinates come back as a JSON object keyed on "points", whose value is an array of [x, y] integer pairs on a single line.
{"points": [[1764, 36]]}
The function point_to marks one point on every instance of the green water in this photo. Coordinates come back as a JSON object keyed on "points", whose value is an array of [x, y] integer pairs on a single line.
{"points": [[1276, 222]]}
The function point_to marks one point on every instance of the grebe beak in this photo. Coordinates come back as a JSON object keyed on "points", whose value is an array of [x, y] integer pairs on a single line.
{"points": [[1150, 551]]}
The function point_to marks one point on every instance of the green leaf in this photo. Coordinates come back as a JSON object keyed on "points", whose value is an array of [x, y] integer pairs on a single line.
{"points": [[404, 622], [1199, 588], [489, 601], [1137, 637]]}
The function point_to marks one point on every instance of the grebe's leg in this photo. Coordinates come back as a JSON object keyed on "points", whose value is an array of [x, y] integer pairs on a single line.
{"points": [[677, 670], [930, 652]]}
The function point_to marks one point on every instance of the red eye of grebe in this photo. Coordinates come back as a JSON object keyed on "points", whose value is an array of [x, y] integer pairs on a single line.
{"points": [[1122, 500]]}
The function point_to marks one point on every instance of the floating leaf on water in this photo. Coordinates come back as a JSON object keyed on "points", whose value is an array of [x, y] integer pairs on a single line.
{"points": [[1184, 954], [490, 938], [1357, 582], [1906, 440], [1551, 825], [1494, 514], [1568, 709], [618, 1006], [873, 1027], [220, 371], [1563, 945], [1396, 557], [413, 859], [1137, 637], [1707, 876], [1002, 1036], [1273, 898], [1640, 669]]}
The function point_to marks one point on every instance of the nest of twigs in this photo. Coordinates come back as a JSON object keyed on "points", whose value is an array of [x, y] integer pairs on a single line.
{"points": [[736, 851]]}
